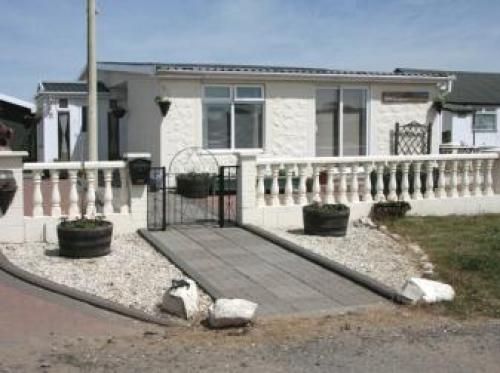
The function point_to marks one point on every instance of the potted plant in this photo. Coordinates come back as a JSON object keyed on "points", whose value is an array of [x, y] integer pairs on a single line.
{"points": [[326, 220], [195, 185], [84, 237], [8, 185], [163, 103], [389, 210]]}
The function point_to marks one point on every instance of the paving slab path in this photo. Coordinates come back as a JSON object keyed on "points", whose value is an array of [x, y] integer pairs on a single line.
{"points": [[29, 312], [232, 262]]}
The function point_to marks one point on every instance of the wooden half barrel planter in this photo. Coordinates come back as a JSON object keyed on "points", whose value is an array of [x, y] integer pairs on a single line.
{"points": [[326, 220], [8, 188], [84, 238]]}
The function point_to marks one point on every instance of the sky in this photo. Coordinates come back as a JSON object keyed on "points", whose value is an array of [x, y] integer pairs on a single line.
{"points": [[46, 39]]}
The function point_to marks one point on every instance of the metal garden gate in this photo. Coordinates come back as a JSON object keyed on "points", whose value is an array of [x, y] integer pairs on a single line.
{"points": [[192, 198]]}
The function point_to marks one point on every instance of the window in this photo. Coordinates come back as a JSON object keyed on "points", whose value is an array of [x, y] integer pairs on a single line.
{"points": [[84, 119], [485, 121], [63, 103], [63, 136], [341, 128], [233, 117]]}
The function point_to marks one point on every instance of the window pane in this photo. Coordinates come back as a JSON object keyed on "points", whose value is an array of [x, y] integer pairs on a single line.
{"points": [[354, 122], [63, 136], [217, 126], [217, 92], [327, 125], [485, 122], [84, 119], [248, 92], [248, 125]]}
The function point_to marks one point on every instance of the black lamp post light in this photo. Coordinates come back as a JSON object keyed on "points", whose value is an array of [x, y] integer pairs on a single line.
{"points": [[164, 104]]}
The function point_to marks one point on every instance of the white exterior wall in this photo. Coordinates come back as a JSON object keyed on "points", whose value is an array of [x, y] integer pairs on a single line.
{"points": [[289, 115], [385, 115], [48, 148], [462, 130]]}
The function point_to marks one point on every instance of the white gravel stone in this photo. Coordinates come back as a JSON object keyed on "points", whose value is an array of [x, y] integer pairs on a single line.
{"points": [[365, 250], [134, 274]]}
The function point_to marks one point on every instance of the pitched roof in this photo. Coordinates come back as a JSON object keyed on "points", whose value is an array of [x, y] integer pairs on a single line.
{"points": [[208, 68], [469, 88], [18, 102], [69, 87]]}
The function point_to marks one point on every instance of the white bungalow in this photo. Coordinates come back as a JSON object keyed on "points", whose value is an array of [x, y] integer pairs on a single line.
{"points": [[281, 111]]}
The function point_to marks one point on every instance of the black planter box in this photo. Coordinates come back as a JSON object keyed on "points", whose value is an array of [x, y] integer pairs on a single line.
{"points": [[327, 220], [195, 185], [139, 171]]}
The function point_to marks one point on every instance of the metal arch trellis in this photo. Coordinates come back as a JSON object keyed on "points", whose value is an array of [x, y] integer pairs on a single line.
{"points": [[412, 138]]}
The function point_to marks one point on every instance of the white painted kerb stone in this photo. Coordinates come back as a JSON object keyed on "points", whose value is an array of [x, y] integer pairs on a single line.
{"points": [[231, 313], [182, 301], [428, 291]]}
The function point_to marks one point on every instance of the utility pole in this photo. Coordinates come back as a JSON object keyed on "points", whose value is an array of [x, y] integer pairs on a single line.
{"points": [[91, 82]]}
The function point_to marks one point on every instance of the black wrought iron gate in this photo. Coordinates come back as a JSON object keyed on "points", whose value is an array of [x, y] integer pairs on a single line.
{"points": [[192, 198]]}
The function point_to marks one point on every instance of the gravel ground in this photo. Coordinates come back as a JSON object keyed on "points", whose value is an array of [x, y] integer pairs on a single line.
{"points": [[363, 249], [134, 274]]}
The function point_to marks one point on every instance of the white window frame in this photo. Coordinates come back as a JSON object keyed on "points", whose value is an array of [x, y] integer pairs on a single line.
{"points": [[340, 89], [485, 112], [232, 100]]}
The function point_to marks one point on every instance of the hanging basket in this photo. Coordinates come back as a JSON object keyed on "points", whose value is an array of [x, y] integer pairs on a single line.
{"points": [[164, 106]]}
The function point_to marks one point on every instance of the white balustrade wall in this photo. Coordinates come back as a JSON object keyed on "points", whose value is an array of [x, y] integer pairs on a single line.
{"points": [[82, 185], [437, 184], [49, 192]]}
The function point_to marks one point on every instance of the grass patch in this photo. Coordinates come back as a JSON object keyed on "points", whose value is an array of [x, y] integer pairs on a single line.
{"points": [[466, 253]]}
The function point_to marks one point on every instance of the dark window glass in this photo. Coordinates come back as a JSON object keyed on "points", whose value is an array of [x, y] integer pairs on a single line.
{"points": [[217, 126], [248, 125], [63, 136], [63, 103], [84, 119]]}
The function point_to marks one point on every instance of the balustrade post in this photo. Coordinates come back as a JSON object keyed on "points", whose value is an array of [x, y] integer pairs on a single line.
{"points": [[367, 195], [261, 190], [124, 201], [477, 178], [442, 180], [405, 185], [380, 183], [392, 196], [354, 183], [73, 211], [417, 183], [330, 185], [343, 185], [275, 188], [429, 180], [454, 179], [289, 185], [37, 193], [488, 187], [55, 209], [316, 189], [302, 199], [464, 190], [108, 192], [91, 209]]}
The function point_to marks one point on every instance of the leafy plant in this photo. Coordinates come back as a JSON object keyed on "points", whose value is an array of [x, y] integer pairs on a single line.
{"points": [[389, 210]]}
